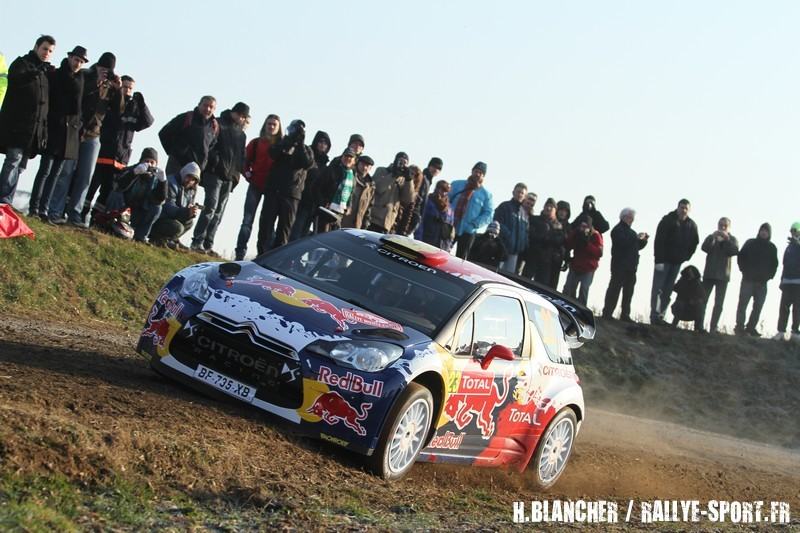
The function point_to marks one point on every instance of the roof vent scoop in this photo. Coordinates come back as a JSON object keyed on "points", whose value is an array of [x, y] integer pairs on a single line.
{"points": [[229, 271]]}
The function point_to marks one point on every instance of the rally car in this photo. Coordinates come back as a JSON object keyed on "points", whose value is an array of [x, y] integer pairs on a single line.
{"points": [[384, 345]]}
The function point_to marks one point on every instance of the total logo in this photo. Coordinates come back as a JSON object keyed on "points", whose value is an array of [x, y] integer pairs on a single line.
{"points": [[351, 382], [517, 416]]}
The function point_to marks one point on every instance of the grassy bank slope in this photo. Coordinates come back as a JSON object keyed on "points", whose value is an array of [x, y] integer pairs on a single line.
{"points": [[67, 274]]}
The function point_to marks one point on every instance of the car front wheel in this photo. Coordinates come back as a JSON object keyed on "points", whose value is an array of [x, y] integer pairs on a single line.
{"points": [[404, 434], [555, 447]]}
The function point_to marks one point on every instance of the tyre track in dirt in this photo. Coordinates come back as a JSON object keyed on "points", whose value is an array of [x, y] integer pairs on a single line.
{"points": [[77, 400]]}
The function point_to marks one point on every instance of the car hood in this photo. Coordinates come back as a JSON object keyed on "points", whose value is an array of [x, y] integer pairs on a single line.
{"points": [[296, 313]]}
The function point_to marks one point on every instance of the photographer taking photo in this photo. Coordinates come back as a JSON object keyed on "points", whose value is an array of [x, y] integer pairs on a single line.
{"points": [[284, 187], [392, 188]]}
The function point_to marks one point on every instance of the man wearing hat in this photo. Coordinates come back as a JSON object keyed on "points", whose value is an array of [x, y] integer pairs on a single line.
{"points": [[473, 208], [127, 114], [393, 187], [23, 116], [335, 187], [363, 192], [589, 209], [100, 87], [545, 252], [311, 200], [790, 287], [63, 125], [224, 169], [179, 210], [430, 173]]}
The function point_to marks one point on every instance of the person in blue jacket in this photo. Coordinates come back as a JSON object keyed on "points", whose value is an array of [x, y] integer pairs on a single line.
{"points": [[179, 210], [472, 208], [513, 219]]}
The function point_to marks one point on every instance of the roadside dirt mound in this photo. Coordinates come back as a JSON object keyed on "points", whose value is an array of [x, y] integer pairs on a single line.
{"points": [[80, 402]]}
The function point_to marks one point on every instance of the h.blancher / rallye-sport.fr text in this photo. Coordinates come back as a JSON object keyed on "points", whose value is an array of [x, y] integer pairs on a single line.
{"points": [[384, 345]]}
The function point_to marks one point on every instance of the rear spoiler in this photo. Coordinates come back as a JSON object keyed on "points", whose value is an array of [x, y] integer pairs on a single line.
{"points": [[576, 318]]}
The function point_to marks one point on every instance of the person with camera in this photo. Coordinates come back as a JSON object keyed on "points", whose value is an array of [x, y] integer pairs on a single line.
{"points": [[363, 192], [190, 136], [720, 246], [437, 219], [473, 208], [179, 210], [488, 248], [599, 222], [307, 208], [142, 188], [23, 116], [127, 114], [284, 188], [625, 246], [546, 240], [586, 244], [63, 127], [393, 186], [222, 174], [101, 85]]}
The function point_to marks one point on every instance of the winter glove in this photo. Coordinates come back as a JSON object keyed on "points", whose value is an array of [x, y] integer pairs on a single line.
{"points": [[141, 168], [659, 267], [160, 176]]}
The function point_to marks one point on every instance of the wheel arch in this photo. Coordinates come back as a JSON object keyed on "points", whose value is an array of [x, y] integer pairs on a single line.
{"points": [[434, 382]]}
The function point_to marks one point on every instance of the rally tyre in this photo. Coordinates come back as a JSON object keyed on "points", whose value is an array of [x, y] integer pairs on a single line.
{"points": [[554, 449], [404, 433]]}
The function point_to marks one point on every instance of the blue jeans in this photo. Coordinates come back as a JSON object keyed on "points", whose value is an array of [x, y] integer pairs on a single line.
{"points": [[663, 282], [87, 159], [251, 202], [216, 198], [43, 183], [9, 174], [574, 278], [58, 196], [142, 219]]}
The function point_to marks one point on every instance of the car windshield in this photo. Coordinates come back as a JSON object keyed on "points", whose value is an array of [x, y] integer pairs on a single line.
{"points": [[352, 269]]}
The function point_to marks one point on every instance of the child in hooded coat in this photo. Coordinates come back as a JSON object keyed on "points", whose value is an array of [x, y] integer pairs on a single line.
{"points": [[690, 302]]}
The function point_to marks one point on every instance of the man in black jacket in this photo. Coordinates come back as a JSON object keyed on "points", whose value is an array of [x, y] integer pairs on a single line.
{"points": [[225, 166], [590, 211], [625, 246], [292, 159], [676, 242], [63, 128], [758, 261], [126, 115], [23, 117], [143, 189], [307, 208], [190, 136], [545, 253]]}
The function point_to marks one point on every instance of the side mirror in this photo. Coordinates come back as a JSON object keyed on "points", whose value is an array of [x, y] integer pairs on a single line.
{"points": [[497, 352]]}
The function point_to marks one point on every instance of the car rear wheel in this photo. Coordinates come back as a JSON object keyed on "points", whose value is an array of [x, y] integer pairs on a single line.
{"points": [[555, 448], [404, 434]]}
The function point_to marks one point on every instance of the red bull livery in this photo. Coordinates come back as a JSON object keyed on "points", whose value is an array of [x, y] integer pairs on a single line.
{"points": [[384, 345]]}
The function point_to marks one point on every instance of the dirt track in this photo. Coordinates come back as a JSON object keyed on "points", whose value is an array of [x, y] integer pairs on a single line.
{"points": [[79, 401]]}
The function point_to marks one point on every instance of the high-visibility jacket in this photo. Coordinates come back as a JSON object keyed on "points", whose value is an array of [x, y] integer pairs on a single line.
{"points": [[3, 77]]}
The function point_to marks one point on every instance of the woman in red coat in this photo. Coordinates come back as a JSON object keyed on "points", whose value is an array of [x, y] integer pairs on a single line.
{"points": [[586, 244]]}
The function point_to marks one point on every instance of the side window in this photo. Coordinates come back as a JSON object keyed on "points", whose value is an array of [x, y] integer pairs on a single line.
{"points": [[549, 327], [464, 343], [499, 320]]}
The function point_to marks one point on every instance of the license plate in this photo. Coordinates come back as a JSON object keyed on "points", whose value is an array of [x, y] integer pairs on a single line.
{"points": [[225, 384]]}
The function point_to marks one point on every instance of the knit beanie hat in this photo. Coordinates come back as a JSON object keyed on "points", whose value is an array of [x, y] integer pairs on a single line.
{"points": [[480, 165], [107, 60], [190, 169], [493, 228], [551, 202], [149, 153], [357, 137]]}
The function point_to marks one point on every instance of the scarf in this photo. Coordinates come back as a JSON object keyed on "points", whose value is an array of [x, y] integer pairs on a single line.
{"points": [[461, 206], [342, 196]]}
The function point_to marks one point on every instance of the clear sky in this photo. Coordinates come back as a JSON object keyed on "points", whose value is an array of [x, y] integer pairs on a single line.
{"points": [[639, 103]]}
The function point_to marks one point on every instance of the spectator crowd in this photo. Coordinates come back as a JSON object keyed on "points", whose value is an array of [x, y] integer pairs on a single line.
{"points": [[82, 121]]}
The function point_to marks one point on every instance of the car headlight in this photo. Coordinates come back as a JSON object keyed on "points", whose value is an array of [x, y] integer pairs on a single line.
{"points": [[195, 286], [367, 356]]}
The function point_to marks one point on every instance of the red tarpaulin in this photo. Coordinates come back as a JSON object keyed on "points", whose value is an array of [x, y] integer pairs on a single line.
{"points": [[11, 225]]}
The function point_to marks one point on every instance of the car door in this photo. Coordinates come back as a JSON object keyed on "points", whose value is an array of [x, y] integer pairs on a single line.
{"points": [[478, 390]]}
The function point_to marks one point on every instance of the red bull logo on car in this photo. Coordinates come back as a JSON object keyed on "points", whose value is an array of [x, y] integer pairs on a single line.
{"points": [[300, 298], [333, 408], [448, 441], [476, 398], [157, 331], [351, 382]]}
